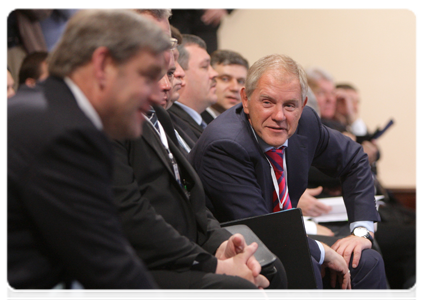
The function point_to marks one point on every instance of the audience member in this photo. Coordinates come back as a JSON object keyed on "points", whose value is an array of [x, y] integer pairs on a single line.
{"points": [[179, 75], [62, 223], [10, 84], [34, 69], [237, 157], [161, 204], [231, 70], [200, 88], [53, 26], [24, 36], [203, 23]]}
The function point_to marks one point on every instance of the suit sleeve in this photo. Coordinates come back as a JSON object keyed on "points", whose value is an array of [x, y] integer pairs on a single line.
{"points": [[229, 179], [339, 156], [68, 197], [155, 241]]}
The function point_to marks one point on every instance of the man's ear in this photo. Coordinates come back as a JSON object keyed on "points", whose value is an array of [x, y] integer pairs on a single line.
{"points": [[31, 82], [244, 100], [305, 102], [101, 60]]}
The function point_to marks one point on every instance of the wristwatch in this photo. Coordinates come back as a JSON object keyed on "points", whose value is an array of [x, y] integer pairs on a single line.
{"points": [[362, 232]]}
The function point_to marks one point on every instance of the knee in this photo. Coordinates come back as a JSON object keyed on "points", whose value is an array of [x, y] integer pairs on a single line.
{"points": [[370, 272]]}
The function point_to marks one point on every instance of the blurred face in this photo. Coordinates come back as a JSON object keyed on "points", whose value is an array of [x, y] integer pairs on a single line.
{"points": [[274, 107], [10, 83], [178, 80], [200, 78], [341, 95], [127, 92], [325, 96], [166, 82], [229, 81]]}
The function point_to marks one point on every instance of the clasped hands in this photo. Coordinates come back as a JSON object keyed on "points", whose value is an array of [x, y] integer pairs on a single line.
{"points": [[235, 258]]}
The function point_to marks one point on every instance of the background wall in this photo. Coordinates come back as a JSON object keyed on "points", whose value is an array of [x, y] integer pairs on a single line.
{"points": [[374, 49]]}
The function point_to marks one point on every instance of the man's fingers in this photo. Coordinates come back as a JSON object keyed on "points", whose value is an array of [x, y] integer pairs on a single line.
{"points": [[357, 256], [238, 242], [261, 281], [254, 266], [315, 191], [323, 208]]}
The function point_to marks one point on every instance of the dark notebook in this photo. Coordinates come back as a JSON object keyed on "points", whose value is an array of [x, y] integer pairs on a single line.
{"points": [[284, 235]]}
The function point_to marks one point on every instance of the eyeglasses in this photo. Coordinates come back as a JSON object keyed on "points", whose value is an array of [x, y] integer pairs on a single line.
{"points": [[174, 43]]}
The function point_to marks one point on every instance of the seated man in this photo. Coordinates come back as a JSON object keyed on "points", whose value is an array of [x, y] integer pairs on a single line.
{"points": [[162, 206], [241, 161], [34, 69], [231, 70], [61, 222], [200, 86]]}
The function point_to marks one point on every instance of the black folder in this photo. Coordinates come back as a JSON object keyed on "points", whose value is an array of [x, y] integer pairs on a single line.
{"points": [[284, 235]]}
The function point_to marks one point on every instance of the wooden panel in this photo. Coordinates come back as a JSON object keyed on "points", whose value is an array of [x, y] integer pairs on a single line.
{"points": [[405, 196]]}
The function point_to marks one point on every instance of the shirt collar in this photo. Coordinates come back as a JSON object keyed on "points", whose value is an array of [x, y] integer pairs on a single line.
{"points": [[195, 115], [84, 104]]}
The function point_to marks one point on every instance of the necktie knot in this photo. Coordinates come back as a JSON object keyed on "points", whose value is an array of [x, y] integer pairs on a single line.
{"points": [[151, 115], [275, 157]]}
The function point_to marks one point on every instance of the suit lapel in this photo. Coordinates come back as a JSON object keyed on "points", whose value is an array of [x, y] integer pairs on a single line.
{"points": [[187, 118], [151, 137], [297, 160]]}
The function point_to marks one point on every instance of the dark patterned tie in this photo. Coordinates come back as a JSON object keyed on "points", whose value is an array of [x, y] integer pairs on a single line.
{"points": [[151, 115], [275, 157]]}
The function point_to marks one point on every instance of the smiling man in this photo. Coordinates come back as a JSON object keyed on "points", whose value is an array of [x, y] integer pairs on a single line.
{"points": [[231, 70], [273, 134], [200, 86]]}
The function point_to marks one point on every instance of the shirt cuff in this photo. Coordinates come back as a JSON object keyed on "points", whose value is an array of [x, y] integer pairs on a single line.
{"points": [[368, 224], [310, 226], [322, 252]]}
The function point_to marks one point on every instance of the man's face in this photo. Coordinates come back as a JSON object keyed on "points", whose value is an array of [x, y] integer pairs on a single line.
{"points": [[200, 77], [274, 107], [229, 81], [325, 96], [127, 92], [165, 84], [178, 80], [10, 83]]}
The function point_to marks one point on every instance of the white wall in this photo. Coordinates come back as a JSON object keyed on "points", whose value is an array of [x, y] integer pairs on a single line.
{"points": [[375, 50]]}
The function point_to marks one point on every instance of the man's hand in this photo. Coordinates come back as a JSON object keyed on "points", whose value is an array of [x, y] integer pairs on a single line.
{"points": [[310, 206], [213, 16], [322, 230], [233, 246], [352, 245], [338, 268], [243, 265], [370, 148]]}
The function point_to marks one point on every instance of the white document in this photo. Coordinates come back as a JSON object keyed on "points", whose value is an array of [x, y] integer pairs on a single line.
{"points": [[338, 212]]}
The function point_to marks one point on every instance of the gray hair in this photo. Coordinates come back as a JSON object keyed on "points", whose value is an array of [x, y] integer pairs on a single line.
{"points": [[123, 32], [227, 57], [280, 63], [158, 14], [314, 74], [188, 39]]}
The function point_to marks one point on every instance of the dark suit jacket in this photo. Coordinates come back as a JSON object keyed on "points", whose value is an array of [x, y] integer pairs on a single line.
{"points": [[207, 117], [185, 122], [61, 219], [168, 229]]}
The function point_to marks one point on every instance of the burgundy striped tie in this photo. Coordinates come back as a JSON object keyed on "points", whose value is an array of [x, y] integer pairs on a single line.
{"points": [[275, 157]]}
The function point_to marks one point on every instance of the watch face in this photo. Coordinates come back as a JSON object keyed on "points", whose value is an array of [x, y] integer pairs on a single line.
{"points": [[360, 231]]}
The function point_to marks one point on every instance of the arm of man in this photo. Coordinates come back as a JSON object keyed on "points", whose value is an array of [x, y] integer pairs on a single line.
{"points": [[66, 192], [158, 243]]}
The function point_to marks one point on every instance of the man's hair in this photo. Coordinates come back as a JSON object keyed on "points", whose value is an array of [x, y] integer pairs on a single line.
{"points": [[123, 32], [228, 57], [280, 63], [176, 34], [31, 66], [158, 14], [315, 74], [346, 86], [188, 39]]}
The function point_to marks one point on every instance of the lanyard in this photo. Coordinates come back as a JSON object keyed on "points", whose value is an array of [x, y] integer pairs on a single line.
{"points": [[274, 180]]}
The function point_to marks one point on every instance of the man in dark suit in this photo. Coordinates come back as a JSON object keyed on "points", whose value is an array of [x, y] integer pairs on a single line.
{"points": [[237, 175], [62, 223], [200, 87], [231, 70]]}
